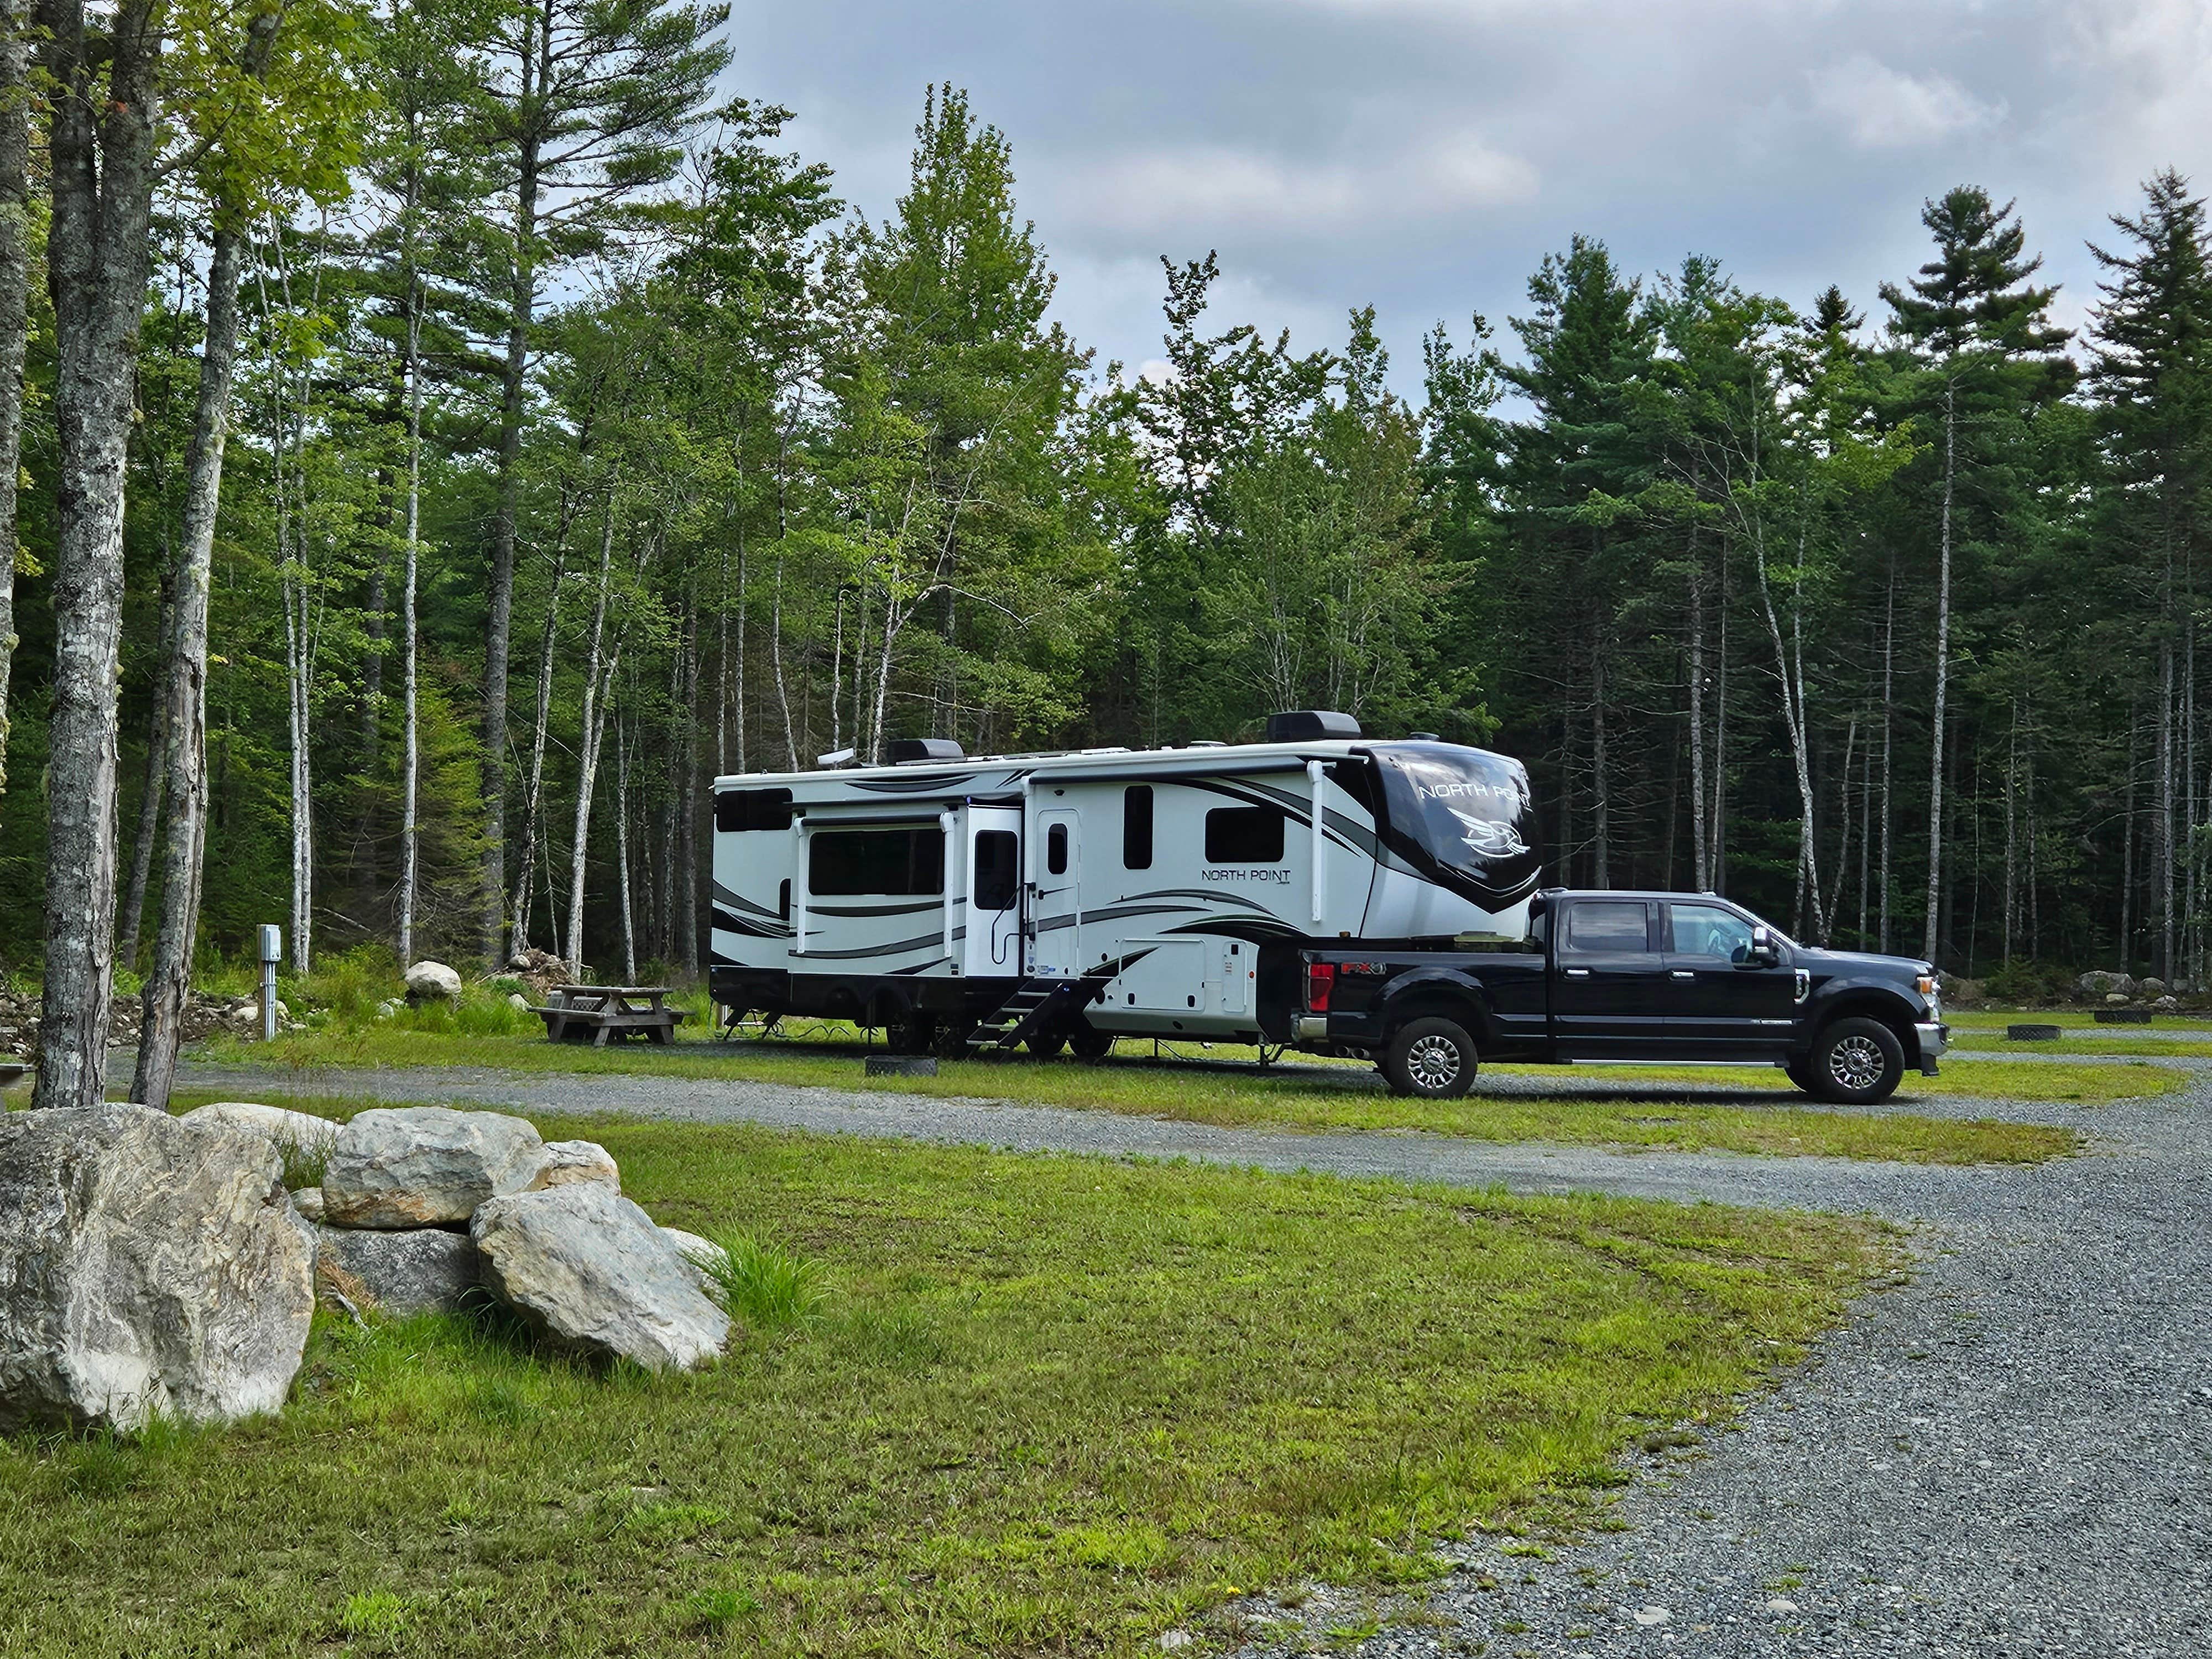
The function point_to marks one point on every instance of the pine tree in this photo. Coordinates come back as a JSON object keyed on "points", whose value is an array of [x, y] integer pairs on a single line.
{"points": [[1982, 335]]}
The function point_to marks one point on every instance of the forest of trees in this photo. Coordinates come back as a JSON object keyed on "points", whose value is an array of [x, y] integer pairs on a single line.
{"points": [[583, 445]]}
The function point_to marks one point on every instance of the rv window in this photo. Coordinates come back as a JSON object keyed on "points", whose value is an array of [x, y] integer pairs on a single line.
{"points": [[1055, 850], [1137, 827], [840, 862], [752, 809], [998, 866], [783, 900], [1244, 835]]}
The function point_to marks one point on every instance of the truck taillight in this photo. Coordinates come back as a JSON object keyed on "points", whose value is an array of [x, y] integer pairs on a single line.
{"points": [[1321, 979]]}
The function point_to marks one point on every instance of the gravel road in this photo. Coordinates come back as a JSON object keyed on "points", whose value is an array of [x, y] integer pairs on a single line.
{"points": [[2011, 1455]]}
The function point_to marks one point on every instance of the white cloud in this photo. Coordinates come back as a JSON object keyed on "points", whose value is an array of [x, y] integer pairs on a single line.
{"points": [[1220, 188], [1882, 108]]}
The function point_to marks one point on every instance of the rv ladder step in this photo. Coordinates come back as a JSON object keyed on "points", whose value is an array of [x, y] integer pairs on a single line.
{"points": [[1021, 1015]]}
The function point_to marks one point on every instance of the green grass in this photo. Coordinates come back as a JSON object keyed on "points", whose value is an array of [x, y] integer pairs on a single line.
{"points": [[1686, 1109], [2149, 1046], [1047, 1405]]}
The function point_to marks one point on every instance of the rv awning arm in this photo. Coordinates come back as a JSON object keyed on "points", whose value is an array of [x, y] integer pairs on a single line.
{"points": [[949, 821], [799, 886], [1315, 774]]}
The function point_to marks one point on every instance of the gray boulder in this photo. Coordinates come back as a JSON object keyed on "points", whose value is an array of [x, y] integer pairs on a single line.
{"points": [[568, 1161], [421, 1270], [701, 1255], [2091, 988], [419, 1166], [2150, 986], [426, 980], [149, 1266], [590, 1269], [310, 1135]]}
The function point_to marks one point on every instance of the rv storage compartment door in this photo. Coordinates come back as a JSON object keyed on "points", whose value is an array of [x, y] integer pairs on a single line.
{"points": [[992, 942], [1168, 978], [1055, 916]]}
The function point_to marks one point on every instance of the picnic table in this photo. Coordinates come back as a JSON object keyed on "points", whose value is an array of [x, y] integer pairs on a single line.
{"points": [[572, 1011]]}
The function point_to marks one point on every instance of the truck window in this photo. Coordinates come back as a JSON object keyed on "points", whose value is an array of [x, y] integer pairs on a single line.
{"points": [[894, 863], [1137, 827], [1613, 927], [1244, 835], [1706, 930], [997, 860]]}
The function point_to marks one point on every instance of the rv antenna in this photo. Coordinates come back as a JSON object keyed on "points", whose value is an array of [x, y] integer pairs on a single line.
{"points": [[837, 757]]}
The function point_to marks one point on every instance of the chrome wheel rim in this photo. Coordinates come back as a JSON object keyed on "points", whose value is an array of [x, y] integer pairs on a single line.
{"points": [[1433, 1062], [1855, 1062]]}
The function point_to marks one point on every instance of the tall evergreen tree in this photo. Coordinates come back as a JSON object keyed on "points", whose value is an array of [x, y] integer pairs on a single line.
{"points": [[1989, 353]]}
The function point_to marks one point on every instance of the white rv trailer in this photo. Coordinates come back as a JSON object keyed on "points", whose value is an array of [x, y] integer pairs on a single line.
{"points": [[1078, 897]]}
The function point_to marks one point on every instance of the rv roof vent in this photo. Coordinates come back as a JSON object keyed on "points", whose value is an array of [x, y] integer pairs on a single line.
{"points": [[1207, 743], [836, 757], [1423, 736], [1304, 724], [913, 751]]}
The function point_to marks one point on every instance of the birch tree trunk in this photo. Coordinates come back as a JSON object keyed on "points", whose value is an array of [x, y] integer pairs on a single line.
{"points": [[1793, 717], [621, 846], [1888, 668], [1943, 672], [102, 96], [410, 764], [531, 818], [15, 312], [183, 725], [598, 687], [1703, 851]]}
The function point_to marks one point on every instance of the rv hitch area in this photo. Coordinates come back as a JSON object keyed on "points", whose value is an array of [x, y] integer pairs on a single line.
{"points": [[1321, 890]]}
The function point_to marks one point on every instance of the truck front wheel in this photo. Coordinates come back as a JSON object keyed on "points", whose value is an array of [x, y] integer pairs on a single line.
{"points": [[1855, 1062], [1432, 1057]]}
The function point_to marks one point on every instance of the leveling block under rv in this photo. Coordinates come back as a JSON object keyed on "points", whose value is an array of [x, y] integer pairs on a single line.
{"points": [[1073, 898]]}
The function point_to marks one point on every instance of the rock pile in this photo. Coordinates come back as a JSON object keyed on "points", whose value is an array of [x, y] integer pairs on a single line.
{"points": [[204, 1017], [539, 972], [152, 1265]]}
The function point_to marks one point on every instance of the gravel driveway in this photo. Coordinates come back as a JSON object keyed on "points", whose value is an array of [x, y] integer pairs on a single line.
{"points": [[2011, 1455]]}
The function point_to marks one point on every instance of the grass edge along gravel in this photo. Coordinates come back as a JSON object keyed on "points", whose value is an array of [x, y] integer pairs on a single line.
{"points": [[1044, 1402], [1681, 1109]]}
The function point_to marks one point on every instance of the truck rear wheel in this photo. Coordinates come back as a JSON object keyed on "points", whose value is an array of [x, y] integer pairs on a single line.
{"points": [[1855, 1062], [1432, 1057]]}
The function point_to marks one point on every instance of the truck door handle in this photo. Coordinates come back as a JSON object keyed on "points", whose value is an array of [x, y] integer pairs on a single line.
{"points": [[1577, 973], [1682, 972]]}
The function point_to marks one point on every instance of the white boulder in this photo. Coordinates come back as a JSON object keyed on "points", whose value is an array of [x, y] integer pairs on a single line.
{"points": [[149, 1266], [428, 979], [568, 1161], [420, 1270], [590, 1270], [417, 1166]]}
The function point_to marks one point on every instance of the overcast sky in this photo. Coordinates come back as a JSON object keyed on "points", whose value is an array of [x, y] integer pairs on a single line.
{"points": [[1422, 155]]}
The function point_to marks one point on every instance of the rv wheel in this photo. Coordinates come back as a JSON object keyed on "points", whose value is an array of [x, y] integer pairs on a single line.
{"points": [[1089, 1042], [1045, 1044], [1432, 1057]]}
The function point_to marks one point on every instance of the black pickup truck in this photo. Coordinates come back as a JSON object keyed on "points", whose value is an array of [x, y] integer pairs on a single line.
{"points": [[1626, 977]]}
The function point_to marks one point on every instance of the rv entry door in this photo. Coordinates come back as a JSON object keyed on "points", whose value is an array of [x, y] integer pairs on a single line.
{"points": [[1056, 918], [992, 943]]}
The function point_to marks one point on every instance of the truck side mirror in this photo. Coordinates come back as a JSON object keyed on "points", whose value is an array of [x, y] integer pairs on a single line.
{"points": [[1761, 952]]}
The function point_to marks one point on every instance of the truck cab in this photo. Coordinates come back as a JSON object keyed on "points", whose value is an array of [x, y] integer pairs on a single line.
{"points": [[1627, 976]]}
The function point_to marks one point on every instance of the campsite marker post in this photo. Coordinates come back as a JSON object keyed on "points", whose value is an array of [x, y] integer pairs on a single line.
{"points": [[272, 949]]}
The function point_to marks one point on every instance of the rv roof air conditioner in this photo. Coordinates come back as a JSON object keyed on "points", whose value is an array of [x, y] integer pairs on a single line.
{"points": [[913, 752], [836, 757], [1308, 725]]}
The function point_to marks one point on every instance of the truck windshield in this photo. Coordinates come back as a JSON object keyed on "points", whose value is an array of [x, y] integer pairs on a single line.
{"points": [[1460, 817]]}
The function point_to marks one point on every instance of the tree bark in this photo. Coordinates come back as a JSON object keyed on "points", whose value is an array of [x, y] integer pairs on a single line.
{"points": [[411, 763], [598, 689], [15, 312], [1703, 852], [104, 109], [1936, 728], [526, 874], [622, 846]]}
